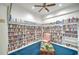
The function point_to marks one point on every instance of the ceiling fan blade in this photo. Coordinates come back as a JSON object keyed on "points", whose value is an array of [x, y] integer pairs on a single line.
{"points": [[38, 5], [40, 9], [51, 4], [47, 9]]}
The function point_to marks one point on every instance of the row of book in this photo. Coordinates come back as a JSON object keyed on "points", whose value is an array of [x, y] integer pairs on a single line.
{"points": [[70, 31], [20, 35], [72, 20]]}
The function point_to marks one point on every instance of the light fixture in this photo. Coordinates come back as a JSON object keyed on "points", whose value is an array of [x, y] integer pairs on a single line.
{"points": [[48, 16], [62, 12], [60, 5], [33, 7]]}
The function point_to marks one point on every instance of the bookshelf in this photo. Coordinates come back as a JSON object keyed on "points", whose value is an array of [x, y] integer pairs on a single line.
{"points": [[20, 34], [65, 32], [56, 31], [70, 32], [38, 32]]}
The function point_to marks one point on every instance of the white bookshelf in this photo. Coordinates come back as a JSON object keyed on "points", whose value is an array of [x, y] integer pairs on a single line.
{"points": [[56, 30], [20, 34], [70, 32]]}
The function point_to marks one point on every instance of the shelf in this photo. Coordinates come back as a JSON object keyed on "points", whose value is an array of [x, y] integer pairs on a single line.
{"points": [[20, 35]]}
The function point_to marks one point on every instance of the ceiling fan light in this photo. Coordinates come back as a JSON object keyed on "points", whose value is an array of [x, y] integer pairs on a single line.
{"points": [[33, 7], [60, 5]]}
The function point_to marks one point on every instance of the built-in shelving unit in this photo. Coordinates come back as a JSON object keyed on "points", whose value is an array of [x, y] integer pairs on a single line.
{"points": [[22, 34], [70, 32], [65, 32], [56, 31], [38, 32]]}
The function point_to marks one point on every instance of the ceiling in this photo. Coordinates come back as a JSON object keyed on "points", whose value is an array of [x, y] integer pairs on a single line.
{"points": [[54, 10], [43, 13]]}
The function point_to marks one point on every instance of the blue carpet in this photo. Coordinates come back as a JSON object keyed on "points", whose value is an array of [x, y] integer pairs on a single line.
{"points": [[35, 50], [59, 50]]}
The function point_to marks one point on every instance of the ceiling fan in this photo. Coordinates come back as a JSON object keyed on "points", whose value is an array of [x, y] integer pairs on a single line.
{"points": [[44, 6]]}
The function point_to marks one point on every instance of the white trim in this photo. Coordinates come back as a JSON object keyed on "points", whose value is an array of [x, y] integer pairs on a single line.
{"points": [[23, 46], [66, 46], [18, 23], [65, 23]]}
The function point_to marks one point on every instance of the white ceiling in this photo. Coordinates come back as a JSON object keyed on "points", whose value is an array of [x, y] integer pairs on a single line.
{"points": [[30, 7], [43, 14]]}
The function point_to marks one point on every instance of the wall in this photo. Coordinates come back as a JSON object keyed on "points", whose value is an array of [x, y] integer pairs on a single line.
{"points": [[3, 30], [21, 13]]}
